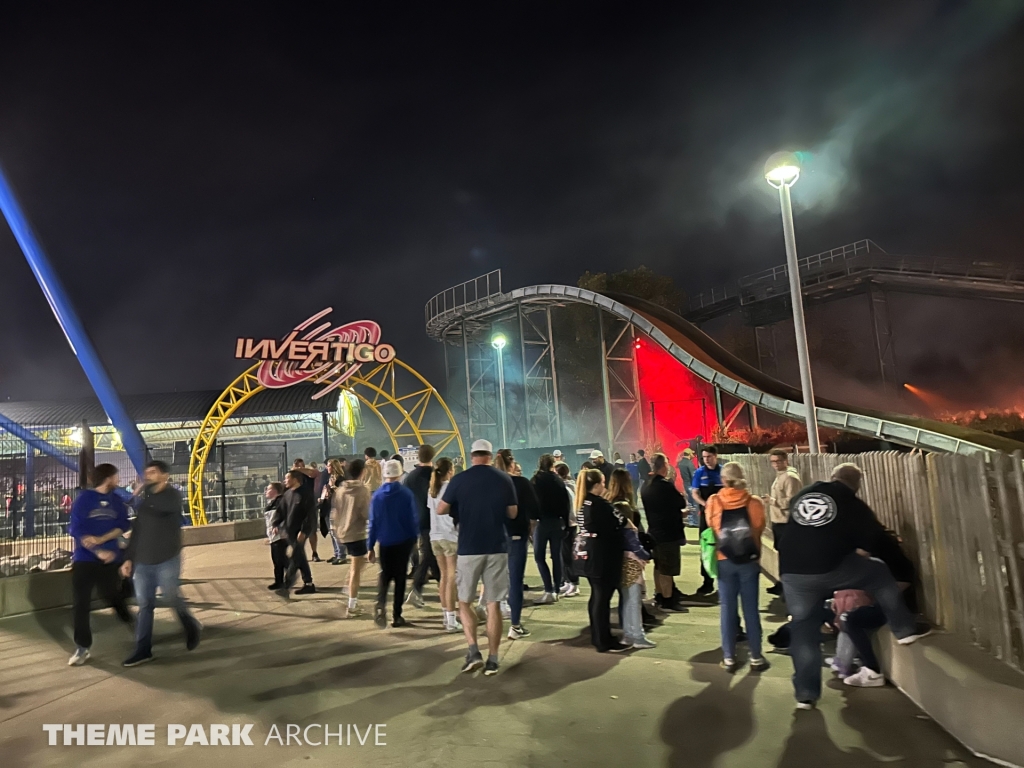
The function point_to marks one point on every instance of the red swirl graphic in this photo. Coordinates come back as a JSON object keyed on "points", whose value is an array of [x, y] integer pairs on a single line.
{"points": [[278, 374]]}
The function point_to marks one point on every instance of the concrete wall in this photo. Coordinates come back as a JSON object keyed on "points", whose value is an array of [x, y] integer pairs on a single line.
{"points": [[976, 698], [52, 589]]}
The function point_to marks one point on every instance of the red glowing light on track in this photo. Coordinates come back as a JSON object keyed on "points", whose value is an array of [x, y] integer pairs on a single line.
{"points": [[931, 399]]}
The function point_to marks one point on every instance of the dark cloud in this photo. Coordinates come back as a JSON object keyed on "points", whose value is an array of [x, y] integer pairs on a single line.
{"points": [[199, 174]]}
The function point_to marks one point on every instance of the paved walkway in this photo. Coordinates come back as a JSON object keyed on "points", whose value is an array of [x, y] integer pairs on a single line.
{"points": [[556, 702]]}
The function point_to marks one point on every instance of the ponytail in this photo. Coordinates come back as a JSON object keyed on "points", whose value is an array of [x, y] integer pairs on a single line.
{"points": [[437, 477], [585, 482]]}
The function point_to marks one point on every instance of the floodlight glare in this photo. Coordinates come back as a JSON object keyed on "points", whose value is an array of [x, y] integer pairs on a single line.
{"points": [[498, 342], [782, 169]]}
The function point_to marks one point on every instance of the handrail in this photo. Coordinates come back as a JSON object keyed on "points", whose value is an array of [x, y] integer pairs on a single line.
{"points": [[463, 295]]}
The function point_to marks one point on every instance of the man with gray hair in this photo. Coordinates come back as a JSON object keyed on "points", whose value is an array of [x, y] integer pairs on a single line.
{"points": [[828, 524]]}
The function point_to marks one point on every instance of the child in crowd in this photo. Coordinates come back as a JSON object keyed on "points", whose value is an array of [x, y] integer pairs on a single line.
{"points": [[278, 544]]}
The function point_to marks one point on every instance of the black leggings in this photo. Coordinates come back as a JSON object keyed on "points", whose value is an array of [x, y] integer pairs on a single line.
{"points": [[568, 540], [394, 560], [600, 607], [104, 577], [860, 623], [279, 556], [427, 568]]}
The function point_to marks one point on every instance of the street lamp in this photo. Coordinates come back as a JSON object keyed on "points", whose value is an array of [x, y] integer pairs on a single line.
{"points": [[498, 341], [782, 171]]}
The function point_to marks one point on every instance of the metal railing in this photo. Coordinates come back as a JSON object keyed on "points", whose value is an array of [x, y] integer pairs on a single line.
{"points": [[961, 520], [463, 295]]}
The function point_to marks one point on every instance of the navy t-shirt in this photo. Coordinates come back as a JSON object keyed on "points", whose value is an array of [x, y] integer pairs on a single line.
{"points": [[479, 498], [97, 514]]}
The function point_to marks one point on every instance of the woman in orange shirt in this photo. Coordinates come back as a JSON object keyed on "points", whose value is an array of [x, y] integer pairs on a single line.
{"points": [[738, 520]]}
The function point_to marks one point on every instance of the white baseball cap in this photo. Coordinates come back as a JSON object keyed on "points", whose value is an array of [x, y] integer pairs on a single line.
{"points": [[481, 446], [596, 454], [393, 469], [557, 453]]}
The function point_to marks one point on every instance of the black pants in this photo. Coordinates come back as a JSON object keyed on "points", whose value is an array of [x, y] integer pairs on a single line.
{"points": [[568, 572], [104, 577], [600, 607], [394, 560], [708, 580], [298, 562], [778, 530], [279, 556], [427, 568]]}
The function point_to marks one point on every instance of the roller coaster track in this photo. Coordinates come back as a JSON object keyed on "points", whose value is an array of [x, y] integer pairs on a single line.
{"points": [[700, 354]]}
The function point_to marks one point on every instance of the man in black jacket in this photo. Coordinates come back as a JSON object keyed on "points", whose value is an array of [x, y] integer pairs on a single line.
{"points": [[299, 523], [552, 519], [154, 557], [829, 528], [418, 481], [665, 507]]}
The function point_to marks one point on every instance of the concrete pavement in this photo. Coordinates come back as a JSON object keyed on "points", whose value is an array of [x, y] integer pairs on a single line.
{"points": [[266, 661]]}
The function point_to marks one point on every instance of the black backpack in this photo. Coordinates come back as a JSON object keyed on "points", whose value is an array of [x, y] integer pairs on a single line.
{"points": [[736, 537]]}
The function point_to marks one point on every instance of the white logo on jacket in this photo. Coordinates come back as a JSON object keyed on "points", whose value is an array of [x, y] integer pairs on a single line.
{"points": [[814, 509]]}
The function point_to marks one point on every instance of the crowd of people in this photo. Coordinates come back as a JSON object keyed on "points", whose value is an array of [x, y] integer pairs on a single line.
{"points": [[471, 531]]}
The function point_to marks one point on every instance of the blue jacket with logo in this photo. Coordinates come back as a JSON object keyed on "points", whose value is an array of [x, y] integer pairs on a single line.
{"points": [[97, 514], [706, 482], [394, 516]]}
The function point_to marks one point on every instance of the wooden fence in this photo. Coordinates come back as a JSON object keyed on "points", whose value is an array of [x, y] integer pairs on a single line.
{"points": [[961, 519]]}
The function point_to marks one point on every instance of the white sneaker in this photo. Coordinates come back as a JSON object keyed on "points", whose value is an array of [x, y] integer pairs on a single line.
{"points": [[642, 645], [506, 612], [865, 678], [564, 589], [79, 657], [415, 598], [806, 705], [546, 599], [572, 591], [453, 626]]}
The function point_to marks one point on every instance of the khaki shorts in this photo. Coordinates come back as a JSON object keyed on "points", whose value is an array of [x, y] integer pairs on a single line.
{"points": [[444, 548], [491, 569]]}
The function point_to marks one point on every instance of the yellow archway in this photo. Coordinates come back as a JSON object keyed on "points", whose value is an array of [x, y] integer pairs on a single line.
{"points": [[394, 391]]}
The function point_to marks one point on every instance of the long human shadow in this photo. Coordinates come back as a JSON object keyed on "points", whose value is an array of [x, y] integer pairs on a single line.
{"points": [[809, 744], [699, 729], [544, 669]]}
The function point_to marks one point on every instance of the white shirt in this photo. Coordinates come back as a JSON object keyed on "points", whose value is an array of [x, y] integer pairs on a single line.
{"points": [[442, 527]]}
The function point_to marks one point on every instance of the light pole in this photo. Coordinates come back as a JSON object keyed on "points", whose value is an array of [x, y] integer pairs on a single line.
{"points": [[498, 342], [781, 171]]}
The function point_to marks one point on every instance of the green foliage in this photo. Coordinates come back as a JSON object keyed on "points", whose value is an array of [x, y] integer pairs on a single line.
{"points": [[640, 282]]}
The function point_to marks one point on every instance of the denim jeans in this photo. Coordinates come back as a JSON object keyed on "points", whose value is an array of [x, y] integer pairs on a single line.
{"points": [[165, 576], [859, 625], [630, 615], [739, 581], [339, 548], [516, 572], [548, 534], [805, 593]]}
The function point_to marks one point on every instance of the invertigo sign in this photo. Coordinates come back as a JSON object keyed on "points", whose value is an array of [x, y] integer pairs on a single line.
{"points": [[316, 352]]}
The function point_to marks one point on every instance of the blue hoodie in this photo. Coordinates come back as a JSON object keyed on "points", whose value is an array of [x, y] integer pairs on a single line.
{"points": [[394, 517], [96, 514]]}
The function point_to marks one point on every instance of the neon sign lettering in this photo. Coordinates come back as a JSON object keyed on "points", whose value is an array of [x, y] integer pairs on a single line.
{"points": [[321, 354]]}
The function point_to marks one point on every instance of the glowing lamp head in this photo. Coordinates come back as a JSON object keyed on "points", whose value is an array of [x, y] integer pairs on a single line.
{"points": [[498, 342], [782, 169]]}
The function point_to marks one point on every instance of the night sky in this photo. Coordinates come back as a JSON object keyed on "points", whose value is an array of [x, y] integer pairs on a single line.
{"points": [[230, 170]]}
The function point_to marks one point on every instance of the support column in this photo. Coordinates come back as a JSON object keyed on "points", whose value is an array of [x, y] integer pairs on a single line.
{"points": [[29, 516], [719, 409], [469, 383], [884, 344], [554, 377], [526, 386], [767, 352], [326, 435], [223, 486], [604, 384]]}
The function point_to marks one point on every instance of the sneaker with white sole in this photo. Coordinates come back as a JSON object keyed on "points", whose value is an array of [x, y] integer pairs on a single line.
{"points": [[506, 612], [572, 591], [547, 598], [453, 627], [562, 590], [515, 633], [920, 630], [642, 645], [79, 657], [415, 599], [865, 678], [473, 661], [806, 705]]}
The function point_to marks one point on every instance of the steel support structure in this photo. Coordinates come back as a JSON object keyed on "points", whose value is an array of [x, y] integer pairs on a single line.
{"points": [[884, 343], [767, 350], [540, 402], [73, 329], [621, 381]]}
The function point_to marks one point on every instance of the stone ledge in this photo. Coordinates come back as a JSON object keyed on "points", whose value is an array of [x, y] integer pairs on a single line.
{"points": [[42, 591]]}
